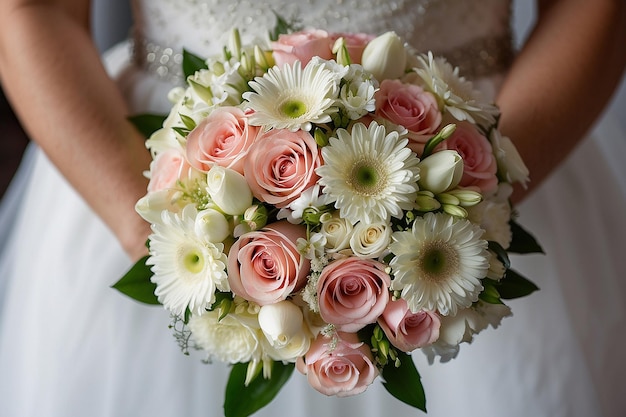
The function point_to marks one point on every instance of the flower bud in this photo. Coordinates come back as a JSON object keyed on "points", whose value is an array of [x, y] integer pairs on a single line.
{"points": [[454, 210], [385, 57], [341, 51], [467, 198], [212, 226], [283, 325], [441, 171], [228, 190]]}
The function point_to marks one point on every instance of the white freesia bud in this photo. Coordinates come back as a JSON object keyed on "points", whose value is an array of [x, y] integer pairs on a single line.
{"points": [[283, 325], [212, 226], [228, 190], [385, 57], [440, 171]]}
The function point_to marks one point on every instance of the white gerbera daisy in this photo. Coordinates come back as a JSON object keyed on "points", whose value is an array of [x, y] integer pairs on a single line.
{"points": [[187, 268], [456, 94], [292, 98], [369, 175], [439, 263]]}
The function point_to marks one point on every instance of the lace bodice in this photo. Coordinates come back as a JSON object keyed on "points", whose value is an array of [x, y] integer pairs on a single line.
{"points": [[474, 35]]}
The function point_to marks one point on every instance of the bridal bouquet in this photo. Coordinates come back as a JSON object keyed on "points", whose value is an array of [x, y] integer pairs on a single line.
{"points": [[329, 202]]}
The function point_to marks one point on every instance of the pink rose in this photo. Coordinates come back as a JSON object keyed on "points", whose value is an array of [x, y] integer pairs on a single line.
{"points": [[302, 46], [265, 266], [406, 330], [223, 138], [355, 43], [480, 165], [280, 165], [408, 105], [166, 169], [344, 370], [353, 292]]}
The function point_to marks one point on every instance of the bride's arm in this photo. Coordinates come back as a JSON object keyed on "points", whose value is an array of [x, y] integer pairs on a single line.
{"points": [[53, 76], [562, 79]]}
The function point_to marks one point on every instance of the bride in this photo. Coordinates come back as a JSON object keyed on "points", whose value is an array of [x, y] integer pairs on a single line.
{"points": [[72, 346]]}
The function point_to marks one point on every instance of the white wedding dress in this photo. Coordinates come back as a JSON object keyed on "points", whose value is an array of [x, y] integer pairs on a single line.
{"points": [[71, 346]]}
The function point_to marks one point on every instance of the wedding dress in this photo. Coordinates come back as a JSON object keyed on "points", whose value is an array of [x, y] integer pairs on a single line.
{"points": [[72, 346]]}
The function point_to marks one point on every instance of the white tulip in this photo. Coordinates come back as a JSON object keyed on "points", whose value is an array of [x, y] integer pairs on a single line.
{"points": [[228, 190], [440, 171], [385, 57]]}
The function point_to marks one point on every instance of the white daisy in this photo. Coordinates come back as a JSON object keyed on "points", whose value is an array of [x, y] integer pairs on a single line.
{"points": [[457, 95], [187, 268], [292, 98], [439, 263], [369, 174]]}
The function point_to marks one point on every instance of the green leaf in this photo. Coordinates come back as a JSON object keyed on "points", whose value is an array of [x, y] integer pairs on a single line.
{"points": [[523, 241], [147, 124], [500, 252], [136, 283], [192, 63], [514, 285], [404, 382], [242, 401]]}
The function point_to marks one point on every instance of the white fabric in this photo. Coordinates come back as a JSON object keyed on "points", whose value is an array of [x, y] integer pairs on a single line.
{"points": [[71, 346]]}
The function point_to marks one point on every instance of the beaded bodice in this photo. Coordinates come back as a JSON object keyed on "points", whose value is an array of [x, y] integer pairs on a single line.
{"points": [[474, 35]]}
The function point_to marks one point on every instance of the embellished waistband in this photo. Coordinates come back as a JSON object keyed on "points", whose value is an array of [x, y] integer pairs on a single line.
{"points": [[478, 58]]}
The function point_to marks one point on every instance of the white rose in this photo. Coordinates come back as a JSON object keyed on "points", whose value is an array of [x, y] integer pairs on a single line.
{"points": [[337, 231], [510, 163], [228, 190], [283, 325], [440, 171], [232, 339], [212, 226], [385, 57], [370, 240]]}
